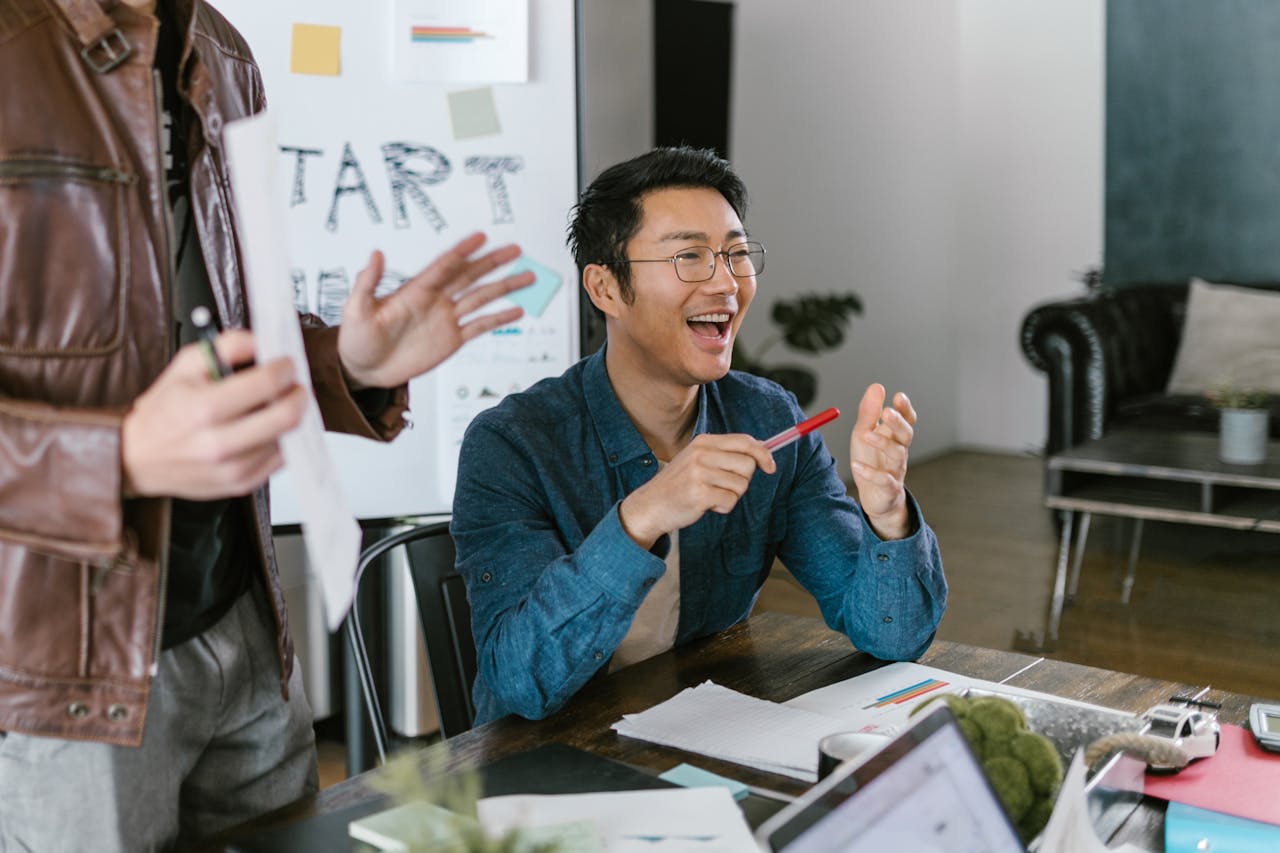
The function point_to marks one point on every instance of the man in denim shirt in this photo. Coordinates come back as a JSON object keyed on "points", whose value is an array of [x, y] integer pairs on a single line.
{"points": [[629, 505]]}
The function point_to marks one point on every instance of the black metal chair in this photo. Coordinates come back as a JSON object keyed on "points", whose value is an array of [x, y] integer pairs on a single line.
{"points": [[446, 627]]}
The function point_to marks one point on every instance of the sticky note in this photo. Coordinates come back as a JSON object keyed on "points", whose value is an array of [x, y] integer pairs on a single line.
{"points": [[315, 50], [688, 776], [473, 113], [534, 298]]}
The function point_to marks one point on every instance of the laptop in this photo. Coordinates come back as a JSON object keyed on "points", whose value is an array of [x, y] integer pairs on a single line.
{"points": [[924, 792]]}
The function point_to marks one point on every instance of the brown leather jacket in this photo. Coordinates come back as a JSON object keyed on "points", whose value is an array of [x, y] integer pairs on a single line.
{"points": [[84, 299]]}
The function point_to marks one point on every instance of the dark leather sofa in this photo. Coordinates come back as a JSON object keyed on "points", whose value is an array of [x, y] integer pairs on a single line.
{"points": [[1107, 355]]}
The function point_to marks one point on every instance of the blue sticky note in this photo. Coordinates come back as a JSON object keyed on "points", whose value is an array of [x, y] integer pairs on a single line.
{"points": [[688, 776], [1188, 829], [534, 298]]}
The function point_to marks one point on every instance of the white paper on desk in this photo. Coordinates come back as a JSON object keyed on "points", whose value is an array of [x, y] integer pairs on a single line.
{"points": [[1070, 829], [705, 820], [866, 702], [329, 530], [713, 720]]}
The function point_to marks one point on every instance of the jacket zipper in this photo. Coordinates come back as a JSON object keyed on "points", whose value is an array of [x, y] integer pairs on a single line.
{"points": [[36, 169], [166, 216]]}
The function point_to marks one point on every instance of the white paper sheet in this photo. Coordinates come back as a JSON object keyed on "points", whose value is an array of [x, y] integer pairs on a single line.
{"points": [[460, 41], [713, 720], [1069, 829], [329, 531], [704, 820], [867, 702]]}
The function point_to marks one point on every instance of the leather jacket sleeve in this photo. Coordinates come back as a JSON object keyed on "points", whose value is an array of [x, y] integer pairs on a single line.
{"points": [[338, 408]]}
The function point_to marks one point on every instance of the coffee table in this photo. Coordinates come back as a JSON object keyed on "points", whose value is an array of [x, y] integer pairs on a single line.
{"points": [[1161, 475]]}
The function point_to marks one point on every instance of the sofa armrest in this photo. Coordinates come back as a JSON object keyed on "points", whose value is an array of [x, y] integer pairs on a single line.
{"points": [[1095, 350]]}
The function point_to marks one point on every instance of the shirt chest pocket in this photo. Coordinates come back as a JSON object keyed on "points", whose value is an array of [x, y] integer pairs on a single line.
{"points": [[64, 257]]}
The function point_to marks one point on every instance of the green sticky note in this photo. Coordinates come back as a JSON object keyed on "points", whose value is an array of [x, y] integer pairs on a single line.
{"points": [[473, 113], [688, 776], [412, 827]]}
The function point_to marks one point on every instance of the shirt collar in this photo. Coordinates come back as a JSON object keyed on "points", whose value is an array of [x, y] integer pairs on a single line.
{"points": [[618, 435]]}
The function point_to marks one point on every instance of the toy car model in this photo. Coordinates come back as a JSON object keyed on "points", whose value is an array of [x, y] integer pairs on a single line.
{"points": [[1194, 731]]}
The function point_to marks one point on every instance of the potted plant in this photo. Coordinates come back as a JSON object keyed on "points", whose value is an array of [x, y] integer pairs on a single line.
{"points": [[1244, 422], [809, 324]]}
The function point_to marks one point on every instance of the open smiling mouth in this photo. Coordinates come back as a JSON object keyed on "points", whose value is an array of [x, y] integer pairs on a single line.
{"points": [[713, 326]]}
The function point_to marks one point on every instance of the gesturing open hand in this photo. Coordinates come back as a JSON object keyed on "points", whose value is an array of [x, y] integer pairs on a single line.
{"points": [[878, 452], [384, 342]]}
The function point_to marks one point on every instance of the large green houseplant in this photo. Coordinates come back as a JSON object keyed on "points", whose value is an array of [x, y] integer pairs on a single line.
{"points": [[810, 324]]}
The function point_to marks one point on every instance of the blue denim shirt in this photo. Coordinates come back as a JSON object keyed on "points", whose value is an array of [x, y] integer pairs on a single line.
{"points": [[554, 581]]}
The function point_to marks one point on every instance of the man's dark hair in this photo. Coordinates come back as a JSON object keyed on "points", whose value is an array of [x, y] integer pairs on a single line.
{"points": [[609, 211]]}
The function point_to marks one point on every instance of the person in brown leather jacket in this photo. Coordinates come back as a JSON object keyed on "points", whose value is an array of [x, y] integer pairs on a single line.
{"points": [[148, 693]]}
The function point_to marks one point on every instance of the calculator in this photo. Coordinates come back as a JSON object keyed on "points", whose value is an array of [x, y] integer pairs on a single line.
{"points": [[1264, 720]]}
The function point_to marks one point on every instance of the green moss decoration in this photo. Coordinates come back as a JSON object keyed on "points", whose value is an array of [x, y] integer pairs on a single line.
{"points": [[1023, 766], [1009, 777]]}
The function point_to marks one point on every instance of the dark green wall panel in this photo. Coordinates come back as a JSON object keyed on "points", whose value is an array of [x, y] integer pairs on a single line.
{"points": [[1193, 140]]}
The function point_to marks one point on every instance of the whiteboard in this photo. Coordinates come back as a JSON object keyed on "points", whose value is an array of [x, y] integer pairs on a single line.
{"points": [[371, 161]]}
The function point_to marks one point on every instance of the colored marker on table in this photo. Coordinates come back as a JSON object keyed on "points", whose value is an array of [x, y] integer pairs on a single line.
{"points": [[806, 426]]}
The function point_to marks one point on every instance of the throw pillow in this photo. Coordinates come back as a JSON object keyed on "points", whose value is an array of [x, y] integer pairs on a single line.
{"points": [[1231, 336]]}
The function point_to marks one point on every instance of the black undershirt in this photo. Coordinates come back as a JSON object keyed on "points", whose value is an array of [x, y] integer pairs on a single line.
{"points": [[210, 542]]}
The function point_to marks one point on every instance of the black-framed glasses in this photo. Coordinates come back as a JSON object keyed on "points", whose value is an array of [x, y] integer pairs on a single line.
{"points": [[698, 263]]}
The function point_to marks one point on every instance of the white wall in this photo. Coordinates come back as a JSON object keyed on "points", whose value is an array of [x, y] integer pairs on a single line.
{"points": [[1030, 196], [842, 118], [942, 159]]}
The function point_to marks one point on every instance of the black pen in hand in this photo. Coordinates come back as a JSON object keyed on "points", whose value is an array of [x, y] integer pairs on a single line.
{"points": [[203, 321]]}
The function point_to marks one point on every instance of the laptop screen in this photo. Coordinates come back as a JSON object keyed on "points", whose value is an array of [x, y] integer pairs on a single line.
{"points": [[923, 792]]}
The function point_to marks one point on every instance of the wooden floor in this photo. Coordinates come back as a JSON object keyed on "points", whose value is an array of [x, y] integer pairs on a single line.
{"points": [[1203, 610], [1205, 602]]}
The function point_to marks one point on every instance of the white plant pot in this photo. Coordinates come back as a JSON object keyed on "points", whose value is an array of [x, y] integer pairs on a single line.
{"points": [[1242, 436]]}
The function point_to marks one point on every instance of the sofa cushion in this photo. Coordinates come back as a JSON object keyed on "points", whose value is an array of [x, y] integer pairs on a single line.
{"points": [[1231, 336]]}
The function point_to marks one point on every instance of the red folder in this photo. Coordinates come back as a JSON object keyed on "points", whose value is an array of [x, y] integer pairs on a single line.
{"points": [[1242, 779]]}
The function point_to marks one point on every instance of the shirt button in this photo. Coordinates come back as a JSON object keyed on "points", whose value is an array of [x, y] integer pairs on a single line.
{"points": [[599, 655], [76, 710], [888, 619], [882, 557], [486, 576], [648, 460], [116, 713], [613, 457]]}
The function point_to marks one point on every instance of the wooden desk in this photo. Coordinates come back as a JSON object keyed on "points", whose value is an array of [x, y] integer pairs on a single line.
{"points": [[772, 656]]}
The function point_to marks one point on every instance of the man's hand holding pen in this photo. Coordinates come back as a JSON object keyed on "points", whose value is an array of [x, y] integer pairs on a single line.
{"points": [[192, 437]]}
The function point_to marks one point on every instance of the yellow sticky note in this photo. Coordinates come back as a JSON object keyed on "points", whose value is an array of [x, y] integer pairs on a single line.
{"points": [[315, 49]]}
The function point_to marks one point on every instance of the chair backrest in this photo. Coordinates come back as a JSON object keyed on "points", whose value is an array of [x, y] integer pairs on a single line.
{"points": [[446, 627]]}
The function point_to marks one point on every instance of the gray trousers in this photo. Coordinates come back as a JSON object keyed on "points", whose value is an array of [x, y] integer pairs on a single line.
{"points": [[220, 746]]}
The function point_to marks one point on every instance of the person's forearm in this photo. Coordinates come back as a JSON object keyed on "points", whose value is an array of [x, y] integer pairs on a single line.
{"points": [[340, 407], [899, 596], [539, 642]]}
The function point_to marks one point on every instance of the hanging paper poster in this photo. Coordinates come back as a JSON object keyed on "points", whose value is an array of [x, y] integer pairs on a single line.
{"points": [[460, 41]]}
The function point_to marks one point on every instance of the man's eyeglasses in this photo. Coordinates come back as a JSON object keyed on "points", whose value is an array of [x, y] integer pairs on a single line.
{"points": [[698, 263]]}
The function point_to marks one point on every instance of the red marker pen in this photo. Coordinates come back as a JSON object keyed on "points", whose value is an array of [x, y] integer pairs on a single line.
{"points": [[807, 425]]}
